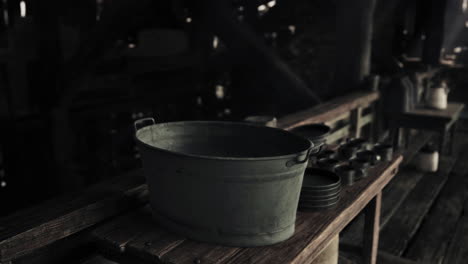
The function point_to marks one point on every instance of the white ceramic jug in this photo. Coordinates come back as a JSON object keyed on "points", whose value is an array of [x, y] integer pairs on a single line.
{"points": [[427, 161], [437, 96]]}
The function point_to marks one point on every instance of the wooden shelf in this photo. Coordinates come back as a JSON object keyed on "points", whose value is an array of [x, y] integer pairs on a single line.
{"points": [[136, 234]]}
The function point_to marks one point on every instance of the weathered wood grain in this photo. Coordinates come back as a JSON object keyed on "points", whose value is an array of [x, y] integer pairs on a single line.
{"points": [[327, 111], [431, 242], [116, 233], [153, 241], [399, 230], [339, 134], [190, 252], [37, 227]]}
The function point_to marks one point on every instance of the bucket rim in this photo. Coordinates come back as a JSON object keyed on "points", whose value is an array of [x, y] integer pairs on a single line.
{"points": [[299, 153]]}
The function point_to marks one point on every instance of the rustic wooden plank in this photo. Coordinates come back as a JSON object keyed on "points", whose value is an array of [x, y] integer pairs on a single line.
{"points": [[116, 233], [372, 229], [399, 230], [328, 254], [315, 229], [431, 241], [154, 241], [367, 119], [457, 251], [34, 228], [190, 252], [339, 134], [327, 111], [333, 121]]}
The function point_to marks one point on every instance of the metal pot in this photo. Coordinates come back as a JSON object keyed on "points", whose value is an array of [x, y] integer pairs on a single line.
{"points": [[369, 155], [384, 150], [228, 183], [347, 174]]}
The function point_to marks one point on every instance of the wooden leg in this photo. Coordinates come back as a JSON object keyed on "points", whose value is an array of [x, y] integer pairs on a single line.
{"points": [[443, 140], [395, 135], [373, 124], [407, 137], [452, 138], [371, 230]]}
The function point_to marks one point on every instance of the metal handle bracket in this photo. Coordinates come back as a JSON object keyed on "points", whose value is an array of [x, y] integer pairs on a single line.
{"points": [[140, 123]]}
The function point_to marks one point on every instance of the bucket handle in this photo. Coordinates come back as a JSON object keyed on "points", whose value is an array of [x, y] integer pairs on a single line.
{"points": [[140, 123], [298, 160]]}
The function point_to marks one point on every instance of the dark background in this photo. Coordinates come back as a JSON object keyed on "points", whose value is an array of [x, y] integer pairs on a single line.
{"points": [[75, 75]]}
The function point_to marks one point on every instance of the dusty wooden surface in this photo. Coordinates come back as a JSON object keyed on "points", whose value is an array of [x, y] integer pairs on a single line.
{"points": [[313, 231]]}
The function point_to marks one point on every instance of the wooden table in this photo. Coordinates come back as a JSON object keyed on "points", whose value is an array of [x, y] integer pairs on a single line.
{"points": [[441, 121], [135, 236], [58, 227]]}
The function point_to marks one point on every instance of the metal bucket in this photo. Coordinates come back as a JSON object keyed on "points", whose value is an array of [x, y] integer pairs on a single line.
{"points": [[227, 183]]}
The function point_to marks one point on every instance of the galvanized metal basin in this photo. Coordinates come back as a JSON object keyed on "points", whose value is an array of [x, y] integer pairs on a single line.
{"points": [[227, 183]]}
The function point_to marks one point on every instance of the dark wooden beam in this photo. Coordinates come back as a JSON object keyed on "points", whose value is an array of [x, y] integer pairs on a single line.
{"points": [[354, 22], [434, 29]]}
